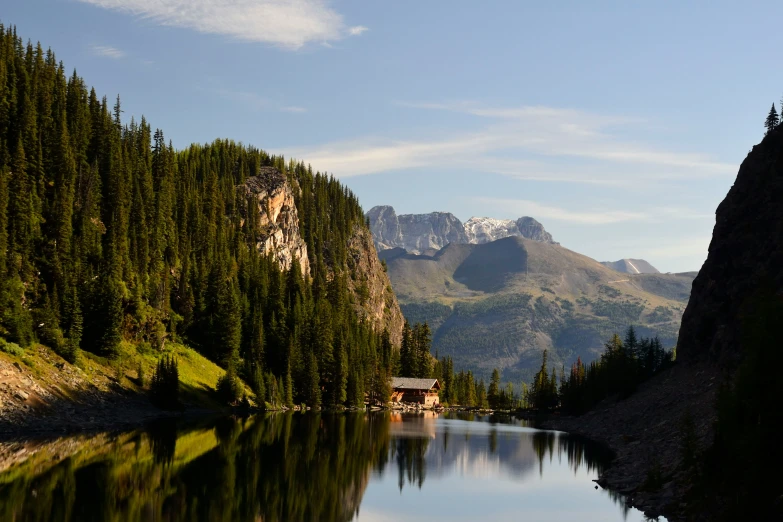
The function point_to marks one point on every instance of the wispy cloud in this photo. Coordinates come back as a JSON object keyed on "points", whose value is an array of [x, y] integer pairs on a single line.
{"points": [[357, 30], [523, 207], [107, 51], [289, 24], [522, 142]]}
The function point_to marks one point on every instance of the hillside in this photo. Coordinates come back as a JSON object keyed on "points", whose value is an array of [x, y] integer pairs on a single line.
{"points": [[500, 304], [114, 244]]}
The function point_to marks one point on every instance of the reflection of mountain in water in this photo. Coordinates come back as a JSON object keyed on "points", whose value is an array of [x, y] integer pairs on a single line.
{"points": [[428, 446], [284, 467]]}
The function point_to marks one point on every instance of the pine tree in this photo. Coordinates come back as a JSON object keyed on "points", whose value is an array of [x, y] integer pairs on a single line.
{"points": [[493, 394], [772, 120]]}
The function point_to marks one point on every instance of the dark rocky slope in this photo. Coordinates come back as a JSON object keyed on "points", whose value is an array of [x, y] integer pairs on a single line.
{"points": [[746, 255], [745, 258]]}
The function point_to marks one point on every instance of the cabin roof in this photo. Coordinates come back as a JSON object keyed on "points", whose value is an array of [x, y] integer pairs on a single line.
{"points": [[411, 383]]}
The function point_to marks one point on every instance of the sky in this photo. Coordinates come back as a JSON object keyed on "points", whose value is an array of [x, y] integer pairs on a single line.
{"points": [[618, 125]]}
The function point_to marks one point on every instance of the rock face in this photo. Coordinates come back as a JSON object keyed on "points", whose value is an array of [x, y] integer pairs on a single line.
{"points": [[631, 266], [419, 233], [374, 297], [532, 229], [745, 258], [277, 222], [414, 232]]}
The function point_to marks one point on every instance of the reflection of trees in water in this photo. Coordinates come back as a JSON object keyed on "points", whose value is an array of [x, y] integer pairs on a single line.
{"points": [[279, 468], [162, 436], [411, 463], [274, 468]]}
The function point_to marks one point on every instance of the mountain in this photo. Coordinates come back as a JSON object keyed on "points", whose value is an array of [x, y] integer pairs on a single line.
{"points": [[114, 243], [483, 229], [414, 232], [631, 266], [722, 396], [420, 233], [501, 303]]}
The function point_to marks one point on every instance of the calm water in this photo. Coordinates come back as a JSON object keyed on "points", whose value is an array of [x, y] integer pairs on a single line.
{"points": [[311, 467]]}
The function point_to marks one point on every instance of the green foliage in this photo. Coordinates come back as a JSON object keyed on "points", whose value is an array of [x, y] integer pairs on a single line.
{"points": [[108, 235], [415, 357], [164, 387], [11, 348], [140, 376], [229, 388], [621, 368]]}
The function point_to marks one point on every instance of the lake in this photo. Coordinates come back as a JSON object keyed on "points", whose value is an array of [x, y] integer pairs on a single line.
{"points": [[374, 467]]}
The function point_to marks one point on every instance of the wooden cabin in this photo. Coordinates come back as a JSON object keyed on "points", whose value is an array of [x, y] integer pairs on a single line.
{"points": [[409, 389]]}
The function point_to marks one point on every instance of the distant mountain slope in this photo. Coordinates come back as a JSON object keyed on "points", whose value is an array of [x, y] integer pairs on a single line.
{"points": [[631, 266], [420, 233], [501, 303]]}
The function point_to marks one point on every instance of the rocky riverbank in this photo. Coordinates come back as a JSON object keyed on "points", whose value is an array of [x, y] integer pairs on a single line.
{"points": [[650, 433]]}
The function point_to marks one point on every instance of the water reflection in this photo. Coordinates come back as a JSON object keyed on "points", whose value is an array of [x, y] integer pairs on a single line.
{"points": [[281, 467]]}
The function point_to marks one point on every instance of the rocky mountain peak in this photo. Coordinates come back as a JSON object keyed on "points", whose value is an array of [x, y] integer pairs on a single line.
{"points": [[631, 266], [418, 233], [532, 229], [484, 229]]}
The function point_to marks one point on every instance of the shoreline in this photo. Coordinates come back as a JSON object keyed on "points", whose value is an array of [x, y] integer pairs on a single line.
{"points": [[645, 433]]}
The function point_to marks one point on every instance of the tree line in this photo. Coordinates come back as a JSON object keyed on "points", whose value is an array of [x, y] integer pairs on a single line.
{"points": [[109, 237], [624, 364]]}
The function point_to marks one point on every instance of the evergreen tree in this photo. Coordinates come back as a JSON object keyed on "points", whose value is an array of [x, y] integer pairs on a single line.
{"points": [[772, 120], [493, 394]]}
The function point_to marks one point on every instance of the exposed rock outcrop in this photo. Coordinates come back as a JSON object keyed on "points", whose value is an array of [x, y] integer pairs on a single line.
{"points": [[374, 297], [631, 266], [420, 233], [532, 229], [745, 256], [277, 228]]}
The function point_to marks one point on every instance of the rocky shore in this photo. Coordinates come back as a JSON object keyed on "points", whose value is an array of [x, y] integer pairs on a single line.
{"points": [[648, 432]]}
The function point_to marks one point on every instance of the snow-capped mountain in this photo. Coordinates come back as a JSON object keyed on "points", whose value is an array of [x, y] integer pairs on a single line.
{"points": [[418, 233]]}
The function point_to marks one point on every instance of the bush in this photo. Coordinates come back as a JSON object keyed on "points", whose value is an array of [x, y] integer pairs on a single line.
{"points": [[229, 388], [12, 348], [164, 388], [140, 374]]}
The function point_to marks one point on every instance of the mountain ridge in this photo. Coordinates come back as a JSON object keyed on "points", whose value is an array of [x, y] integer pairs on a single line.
{"points": [[500, 304], [418, 233]]}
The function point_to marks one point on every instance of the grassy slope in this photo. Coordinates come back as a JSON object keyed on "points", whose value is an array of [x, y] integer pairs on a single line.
{"points": [[198, 375], [502, 303]]}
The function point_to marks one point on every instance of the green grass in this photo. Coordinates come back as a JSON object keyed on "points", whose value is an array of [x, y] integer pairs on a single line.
{"points": [[197, 374]]}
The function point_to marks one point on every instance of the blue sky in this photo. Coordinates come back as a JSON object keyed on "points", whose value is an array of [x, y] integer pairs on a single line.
{"points": [[619, 125]]}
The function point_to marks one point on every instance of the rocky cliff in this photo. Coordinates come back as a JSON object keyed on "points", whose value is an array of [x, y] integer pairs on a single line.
{"points": [[745, 256], [277, 225], [374, 297], [420, 233], [277, 231], [414, 232], [631, 266]]}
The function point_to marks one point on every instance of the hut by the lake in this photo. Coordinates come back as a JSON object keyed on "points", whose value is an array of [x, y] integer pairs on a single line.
{"points": [[410, 389]]}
